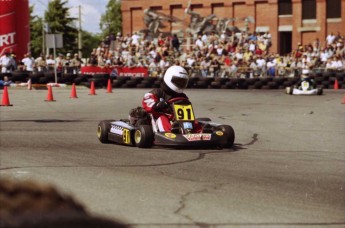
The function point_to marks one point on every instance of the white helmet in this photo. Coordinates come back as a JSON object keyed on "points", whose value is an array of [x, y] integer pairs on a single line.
{"points": [[176, 78], [305, 71]]}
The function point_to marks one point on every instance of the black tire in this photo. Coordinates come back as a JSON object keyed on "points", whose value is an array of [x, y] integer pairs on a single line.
{"points": [[20, 76], [289, 90], [229, 135], [215, 85], [143, 136], [102, 131], [319, 91]]}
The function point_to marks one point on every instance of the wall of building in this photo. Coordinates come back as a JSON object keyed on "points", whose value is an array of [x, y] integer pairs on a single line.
{"points": [[265, 13]]}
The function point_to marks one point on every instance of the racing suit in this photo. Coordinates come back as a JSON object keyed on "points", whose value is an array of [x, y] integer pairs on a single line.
{"points": [[312, 84], [162, 115]]}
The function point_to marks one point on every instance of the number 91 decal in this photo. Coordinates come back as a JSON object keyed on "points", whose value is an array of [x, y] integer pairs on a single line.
{"points": [[184, 112]]}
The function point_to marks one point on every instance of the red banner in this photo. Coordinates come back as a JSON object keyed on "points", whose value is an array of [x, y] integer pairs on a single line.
{"points": [[14, 29], [117, 71]]}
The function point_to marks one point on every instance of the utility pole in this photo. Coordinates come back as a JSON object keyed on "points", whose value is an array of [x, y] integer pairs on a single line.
{"points": [[80, 46], [43, 38]]}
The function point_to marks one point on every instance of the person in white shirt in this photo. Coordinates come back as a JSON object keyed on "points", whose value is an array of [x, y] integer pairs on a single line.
{"points": [[330, 38], [135, 39], [50, 62], [190, 60], [261, 64], [324, 55], [5, 62], [336, 63], [199, 44], [29, 62]]}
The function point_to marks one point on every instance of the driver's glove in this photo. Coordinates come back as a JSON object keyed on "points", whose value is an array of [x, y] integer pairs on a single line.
{"points": [[161, 105]]}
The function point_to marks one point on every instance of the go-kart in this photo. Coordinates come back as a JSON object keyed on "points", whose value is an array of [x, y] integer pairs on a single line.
{"points": [[305, 87], [186, 131]]}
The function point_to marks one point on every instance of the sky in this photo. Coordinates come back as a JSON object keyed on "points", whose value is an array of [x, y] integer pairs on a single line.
{"points": [[91, 11]]}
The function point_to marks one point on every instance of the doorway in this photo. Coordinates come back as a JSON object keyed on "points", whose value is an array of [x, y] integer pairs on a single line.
{"points": [[285, 42]]}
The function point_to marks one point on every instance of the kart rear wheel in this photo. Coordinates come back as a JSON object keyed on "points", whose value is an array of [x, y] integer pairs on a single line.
{"points": [[229, 135], [289, 90], [143, 136], [102, 131], [319, 91]]}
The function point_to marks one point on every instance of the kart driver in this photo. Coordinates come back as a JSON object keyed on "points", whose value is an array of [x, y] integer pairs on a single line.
{"points": [[155, 102], [306, 77]]}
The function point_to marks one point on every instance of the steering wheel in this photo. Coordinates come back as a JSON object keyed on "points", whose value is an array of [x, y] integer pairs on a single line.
{"points": [[172, 100]]}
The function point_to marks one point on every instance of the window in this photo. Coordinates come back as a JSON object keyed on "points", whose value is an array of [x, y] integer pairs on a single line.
{"points": [[156, 8], [196, 6], [308, 9], [284, 7], [333, 8]]}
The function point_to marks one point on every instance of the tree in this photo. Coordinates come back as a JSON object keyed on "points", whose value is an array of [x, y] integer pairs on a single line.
{"points": [[58, 20], [111, 21], [36, 27], [90, 41]]}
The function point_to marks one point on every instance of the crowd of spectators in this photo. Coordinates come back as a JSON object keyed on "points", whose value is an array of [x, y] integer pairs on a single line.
{"points": [[211, 55], [64, 63], [207, 55]]}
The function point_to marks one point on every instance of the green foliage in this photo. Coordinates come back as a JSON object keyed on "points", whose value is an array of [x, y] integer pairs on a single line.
{"points": [[36, 27], [90, 41], [59, 21], [111, 21]]}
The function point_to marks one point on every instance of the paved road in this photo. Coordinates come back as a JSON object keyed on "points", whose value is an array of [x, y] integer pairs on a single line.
{"points": [[287, 168]]}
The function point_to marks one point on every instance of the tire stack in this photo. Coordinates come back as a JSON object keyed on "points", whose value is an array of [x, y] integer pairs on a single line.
{"points": [[100, 80], [49, 77], [67, 78], [192, 82], [147, 82], [81, 79], [203, 83], [20, 76], [341, 79], [119, 81], [132, 82], [218, 83]]}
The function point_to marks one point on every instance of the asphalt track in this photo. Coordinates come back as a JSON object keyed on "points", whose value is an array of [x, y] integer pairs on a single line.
{"points": [[287, 168]]}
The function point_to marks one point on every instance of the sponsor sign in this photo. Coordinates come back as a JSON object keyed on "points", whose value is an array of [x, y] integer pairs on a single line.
{"points": [[120, 71], [198, 137], [219, 133], [170, 135], [116, 130], [14, 27]]}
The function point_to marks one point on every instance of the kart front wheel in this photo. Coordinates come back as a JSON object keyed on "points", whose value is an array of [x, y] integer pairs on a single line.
{"points": [[229, 135], [102, 131], [288, 90], [143, 136], [319, 91]]}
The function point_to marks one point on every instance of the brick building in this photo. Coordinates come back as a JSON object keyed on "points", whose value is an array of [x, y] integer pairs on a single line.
{"points": [[288, 21]]}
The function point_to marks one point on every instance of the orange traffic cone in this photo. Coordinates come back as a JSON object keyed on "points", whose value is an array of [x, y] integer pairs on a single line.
{"points": [[29, 84], [92, 88], [343, 100], [109, 87], [336, 86], [5, 98], [50, 94], [73, 92]]}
